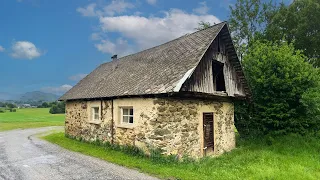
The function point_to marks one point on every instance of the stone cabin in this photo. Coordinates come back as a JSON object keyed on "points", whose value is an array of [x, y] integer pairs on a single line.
{"points": [[177, 96]]}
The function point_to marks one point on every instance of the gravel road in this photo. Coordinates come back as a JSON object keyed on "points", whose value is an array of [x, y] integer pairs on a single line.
{"points": [[24, 156]]}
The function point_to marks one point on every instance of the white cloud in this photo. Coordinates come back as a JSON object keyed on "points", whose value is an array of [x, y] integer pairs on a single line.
{"points": [[202, 9], [25, 50], [152, 2], [147, 32], [88, 11], [137, 13], [120, 47], [115, 7], [57, 90], [95, 36], [77, 77], [106, 46], [2, 49], [136, 32]]}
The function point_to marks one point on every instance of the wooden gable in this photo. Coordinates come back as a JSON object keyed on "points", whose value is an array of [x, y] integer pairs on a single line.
{"points": [[216, 73]]}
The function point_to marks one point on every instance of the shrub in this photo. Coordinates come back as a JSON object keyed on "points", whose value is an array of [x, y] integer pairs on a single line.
{"points": [[2, 110], [285, 91], [12, 110], [57, 108]]}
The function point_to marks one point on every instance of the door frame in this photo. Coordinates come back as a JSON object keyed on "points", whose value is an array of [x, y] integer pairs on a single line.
{"points": [[205, 122]]}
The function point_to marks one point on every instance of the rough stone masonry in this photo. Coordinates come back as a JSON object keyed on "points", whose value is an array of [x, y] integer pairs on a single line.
{"points": [[173, 125]]}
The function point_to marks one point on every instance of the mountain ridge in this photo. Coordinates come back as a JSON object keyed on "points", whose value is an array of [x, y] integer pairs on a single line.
{"points": [[35, 96]]}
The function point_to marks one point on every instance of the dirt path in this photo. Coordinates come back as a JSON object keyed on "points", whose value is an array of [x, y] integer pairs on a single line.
{"points": [[24, 156]]}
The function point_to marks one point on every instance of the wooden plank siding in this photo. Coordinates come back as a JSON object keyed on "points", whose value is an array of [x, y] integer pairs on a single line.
{"points": [[202, 79]]}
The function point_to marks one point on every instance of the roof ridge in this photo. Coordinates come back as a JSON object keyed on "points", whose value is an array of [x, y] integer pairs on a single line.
{"points": [[168, 41]]}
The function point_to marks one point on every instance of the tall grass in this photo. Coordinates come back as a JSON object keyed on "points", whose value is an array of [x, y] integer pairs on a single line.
{"points": [[287, 157]]}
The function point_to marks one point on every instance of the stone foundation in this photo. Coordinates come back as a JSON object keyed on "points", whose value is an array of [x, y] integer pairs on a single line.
{"points": [[173, 125]]}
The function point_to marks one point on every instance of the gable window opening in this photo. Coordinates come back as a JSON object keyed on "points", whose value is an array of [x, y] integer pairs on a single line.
{"points": [[95, 113], [127, 115], [218, 76]]}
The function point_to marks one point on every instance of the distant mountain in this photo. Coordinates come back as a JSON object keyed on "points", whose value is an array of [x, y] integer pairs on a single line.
{"points": [[36, 96]]}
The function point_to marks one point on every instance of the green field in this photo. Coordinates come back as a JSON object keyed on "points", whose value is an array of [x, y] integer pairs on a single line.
{"points": [[29, 118], [288, 157]]}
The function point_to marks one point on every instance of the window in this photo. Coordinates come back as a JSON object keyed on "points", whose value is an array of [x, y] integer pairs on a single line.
{"points": [[95, 113], [127, 115], [218, 76]]}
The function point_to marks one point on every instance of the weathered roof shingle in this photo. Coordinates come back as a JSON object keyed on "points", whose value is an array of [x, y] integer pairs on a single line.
{"points": [[152, 71]]}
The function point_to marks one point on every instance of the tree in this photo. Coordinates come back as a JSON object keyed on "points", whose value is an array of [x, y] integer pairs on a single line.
{"points": [[248, 20], [203, 25], [45, 105], [57, 108], [285, 90], [10, 105], [54, 109], [299, 24], [61, 106]]}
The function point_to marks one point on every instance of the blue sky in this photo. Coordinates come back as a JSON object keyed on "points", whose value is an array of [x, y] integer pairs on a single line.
{"points": [[50, 45]]}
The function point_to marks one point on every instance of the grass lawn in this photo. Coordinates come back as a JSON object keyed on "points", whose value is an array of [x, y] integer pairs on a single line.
{"points": [[289, 157], [30, 118]]}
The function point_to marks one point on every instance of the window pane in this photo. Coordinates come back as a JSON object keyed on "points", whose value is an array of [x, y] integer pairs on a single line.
{"points": [[96, 116], [131, 119], [125, 119], [131, 111], [125, 111], [95, 113]]}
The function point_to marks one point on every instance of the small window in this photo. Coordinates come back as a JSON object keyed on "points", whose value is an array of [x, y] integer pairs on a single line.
{"points": [[127, 115], [218, 76], [95, 113]]}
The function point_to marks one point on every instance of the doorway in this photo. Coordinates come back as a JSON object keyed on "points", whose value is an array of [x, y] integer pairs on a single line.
{"points": [[208, 139]]}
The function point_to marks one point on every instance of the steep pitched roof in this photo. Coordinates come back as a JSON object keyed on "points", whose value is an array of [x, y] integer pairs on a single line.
{"points": [[161, 69]]}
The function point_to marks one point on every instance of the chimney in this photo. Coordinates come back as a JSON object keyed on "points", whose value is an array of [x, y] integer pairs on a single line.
{"points": [[114, 57]]}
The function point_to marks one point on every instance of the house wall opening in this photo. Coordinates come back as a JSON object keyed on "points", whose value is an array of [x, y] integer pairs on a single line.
{"points": [[218, 76]]}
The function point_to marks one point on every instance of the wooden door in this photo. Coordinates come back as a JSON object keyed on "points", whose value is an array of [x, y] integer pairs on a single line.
{"points": [[208, 131]]}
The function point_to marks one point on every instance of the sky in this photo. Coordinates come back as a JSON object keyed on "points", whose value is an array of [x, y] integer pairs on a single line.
{"points": [[50, 45]]}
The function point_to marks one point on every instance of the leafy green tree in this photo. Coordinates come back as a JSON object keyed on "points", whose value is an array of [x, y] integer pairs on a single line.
{"points": [[57, 108], [299, 24], [285, 90], [45, 105], [203, 25], [248, 20], [54, 109], [61, 105], [53, 103], [10, 105]]}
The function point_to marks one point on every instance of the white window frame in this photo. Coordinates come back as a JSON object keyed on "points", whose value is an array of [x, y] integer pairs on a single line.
{"points": [[129, 115], [93, 113]]}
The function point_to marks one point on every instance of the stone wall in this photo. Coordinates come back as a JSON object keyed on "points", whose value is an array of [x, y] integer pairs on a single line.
{"points": [[173, 125], [224, 136], [78, 122]]}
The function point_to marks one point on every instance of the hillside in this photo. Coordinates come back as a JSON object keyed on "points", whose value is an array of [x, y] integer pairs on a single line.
{"points": [[36, 96]]}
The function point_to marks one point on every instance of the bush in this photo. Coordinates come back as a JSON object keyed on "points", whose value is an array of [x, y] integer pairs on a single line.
{"points": [[12, 110], [2, 110], [285, 92], [57, 108], [11, 106]]}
